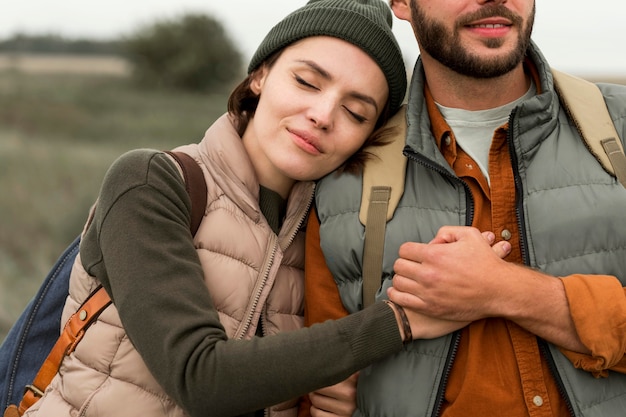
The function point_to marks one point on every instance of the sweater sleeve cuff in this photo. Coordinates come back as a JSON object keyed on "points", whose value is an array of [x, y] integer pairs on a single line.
{"points": [[377, 322]]}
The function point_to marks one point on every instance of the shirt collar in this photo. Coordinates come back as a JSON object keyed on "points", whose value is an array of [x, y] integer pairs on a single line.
{"points": [[440, 128]]}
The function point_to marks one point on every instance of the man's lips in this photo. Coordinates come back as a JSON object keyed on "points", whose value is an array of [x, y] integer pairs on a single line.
{"points": [[490, 27], [492, 23]]}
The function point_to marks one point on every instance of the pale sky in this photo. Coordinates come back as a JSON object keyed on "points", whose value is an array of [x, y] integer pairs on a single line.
{"points": [[581, 37]]}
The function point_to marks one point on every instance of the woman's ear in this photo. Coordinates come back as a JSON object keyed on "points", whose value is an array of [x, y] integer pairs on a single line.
{"points": [[258, 79]]}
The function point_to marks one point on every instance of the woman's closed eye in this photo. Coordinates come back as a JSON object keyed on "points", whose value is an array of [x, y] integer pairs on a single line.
{"points": [[304, 82], [358, 117]]}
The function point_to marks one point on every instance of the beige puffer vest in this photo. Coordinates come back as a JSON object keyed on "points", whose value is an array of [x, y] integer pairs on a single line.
{"points": [[265, 286]]}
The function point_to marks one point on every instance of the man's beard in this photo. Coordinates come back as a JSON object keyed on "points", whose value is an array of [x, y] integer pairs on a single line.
{"points": [[447, 48]]}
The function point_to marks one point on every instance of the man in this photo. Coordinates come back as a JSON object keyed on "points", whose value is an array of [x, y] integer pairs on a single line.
{"points": [[489, 145]]}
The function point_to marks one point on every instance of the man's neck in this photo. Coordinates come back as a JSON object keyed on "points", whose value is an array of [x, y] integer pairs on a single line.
{"points": [[454, 90]]}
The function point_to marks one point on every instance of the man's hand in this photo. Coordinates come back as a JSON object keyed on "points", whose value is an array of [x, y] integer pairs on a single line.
{"points": [[457, 276], [336, 400], [424, 326], [502, 248]]}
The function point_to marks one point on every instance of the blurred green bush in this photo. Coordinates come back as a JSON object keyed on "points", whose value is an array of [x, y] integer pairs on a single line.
{"points": [[192, 52]]}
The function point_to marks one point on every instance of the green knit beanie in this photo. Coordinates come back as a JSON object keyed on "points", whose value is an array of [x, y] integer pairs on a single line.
{"points": [[364, 23]]}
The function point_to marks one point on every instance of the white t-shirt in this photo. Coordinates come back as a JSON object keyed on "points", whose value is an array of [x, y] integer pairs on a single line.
{"points": [[474, 130]]}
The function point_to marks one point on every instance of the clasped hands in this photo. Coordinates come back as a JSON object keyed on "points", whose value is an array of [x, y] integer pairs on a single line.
{"points": [[451, 281], [443, 285]]}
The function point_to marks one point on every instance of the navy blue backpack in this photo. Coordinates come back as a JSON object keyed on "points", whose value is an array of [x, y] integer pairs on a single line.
{"points": [[34, 334]]}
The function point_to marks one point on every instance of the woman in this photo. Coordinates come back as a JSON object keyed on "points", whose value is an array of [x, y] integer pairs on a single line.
{"points": [[322, 81]]}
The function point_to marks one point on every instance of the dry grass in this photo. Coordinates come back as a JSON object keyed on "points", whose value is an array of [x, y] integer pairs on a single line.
{"points": [[67, 64], [58, 134]]}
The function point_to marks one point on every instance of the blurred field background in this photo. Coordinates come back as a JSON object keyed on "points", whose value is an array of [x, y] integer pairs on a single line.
{"points": [[63, 120]]}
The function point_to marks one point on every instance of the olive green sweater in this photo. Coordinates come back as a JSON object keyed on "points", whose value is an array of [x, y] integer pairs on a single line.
{"points": [[139, 246]]}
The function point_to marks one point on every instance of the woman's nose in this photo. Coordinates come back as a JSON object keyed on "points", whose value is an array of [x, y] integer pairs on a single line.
{"points": [[321, 113]]}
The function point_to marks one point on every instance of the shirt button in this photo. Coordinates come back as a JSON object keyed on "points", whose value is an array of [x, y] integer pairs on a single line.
{"points": [[506, 234], [448, 141], [537, 400]]}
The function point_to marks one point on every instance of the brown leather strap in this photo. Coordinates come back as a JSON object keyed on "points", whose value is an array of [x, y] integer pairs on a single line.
{"points": [[99, 300], [72, 333], [11, 411], [195, 186]]}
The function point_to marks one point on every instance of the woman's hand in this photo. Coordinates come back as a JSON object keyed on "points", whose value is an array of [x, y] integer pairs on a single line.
{"points": [[336, 400]]}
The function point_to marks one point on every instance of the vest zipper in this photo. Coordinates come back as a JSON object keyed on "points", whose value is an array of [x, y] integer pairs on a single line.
{"points": [[545, 351], [292, 233], [519, 192], [456, 336], [441, 391], [469, 200], [305, 205], [269, 260], [293, 224]]}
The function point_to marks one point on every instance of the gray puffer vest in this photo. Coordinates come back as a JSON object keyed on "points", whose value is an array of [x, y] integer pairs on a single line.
{"points": [[572, 218]]}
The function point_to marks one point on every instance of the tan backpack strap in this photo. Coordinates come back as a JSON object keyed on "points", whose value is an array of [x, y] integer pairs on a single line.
{"points": [[374, 242], [383, 186], [586, 107], [615, 153], [387, 166]]}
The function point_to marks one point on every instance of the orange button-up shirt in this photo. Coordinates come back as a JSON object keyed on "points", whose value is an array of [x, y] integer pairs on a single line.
{"points": [[506, 362], [498, 369]]}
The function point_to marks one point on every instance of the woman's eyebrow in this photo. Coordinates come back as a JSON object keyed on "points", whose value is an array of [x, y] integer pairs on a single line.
{"points": [[315, 67], [325, 74]]}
